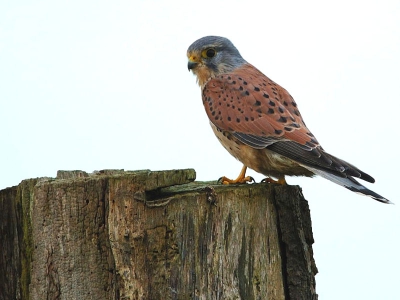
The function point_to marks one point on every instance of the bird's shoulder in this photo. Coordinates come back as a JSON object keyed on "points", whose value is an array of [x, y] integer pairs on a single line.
{"points": [[248, 102]]}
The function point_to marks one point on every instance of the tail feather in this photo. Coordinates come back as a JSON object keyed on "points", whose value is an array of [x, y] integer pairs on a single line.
{"points": [[351, 184]]}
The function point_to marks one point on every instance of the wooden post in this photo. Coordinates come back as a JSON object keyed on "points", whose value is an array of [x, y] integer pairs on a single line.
{"points": [[153, 235]]}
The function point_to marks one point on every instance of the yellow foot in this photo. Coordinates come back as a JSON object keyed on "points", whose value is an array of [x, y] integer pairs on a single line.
{"points": [[242, 178], [281, 180]]}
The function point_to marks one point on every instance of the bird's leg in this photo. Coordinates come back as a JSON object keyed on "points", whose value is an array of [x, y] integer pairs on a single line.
{"points": [[242, 178], [281, 180]]}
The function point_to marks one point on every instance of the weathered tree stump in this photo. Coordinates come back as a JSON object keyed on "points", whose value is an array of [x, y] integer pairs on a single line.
{"points": [[153, 235]]}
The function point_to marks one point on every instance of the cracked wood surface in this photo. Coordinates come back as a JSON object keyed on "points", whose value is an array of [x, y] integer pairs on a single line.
{"points": [[117, 234]]}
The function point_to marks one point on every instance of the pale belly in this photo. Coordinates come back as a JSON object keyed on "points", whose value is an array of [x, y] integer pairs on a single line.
{"points": [[262, 161]]}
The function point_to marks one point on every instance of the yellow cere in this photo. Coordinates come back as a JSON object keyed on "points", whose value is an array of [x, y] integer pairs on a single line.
{"points": [[192, 58]]}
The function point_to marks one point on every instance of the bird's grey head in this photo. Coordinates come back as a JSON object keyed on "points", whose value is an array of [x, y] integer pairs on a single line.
{"points": [[211, 56]]}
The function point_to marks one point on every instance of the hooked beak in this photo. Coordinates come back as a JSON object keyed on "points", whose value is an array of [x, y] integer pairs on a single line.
{"points": [[192, 65], [193, 61]]}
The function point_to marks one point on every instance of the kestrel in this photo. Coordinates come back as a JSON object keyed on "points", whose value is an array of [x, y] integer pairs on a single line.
{"points": [[259, 123]]}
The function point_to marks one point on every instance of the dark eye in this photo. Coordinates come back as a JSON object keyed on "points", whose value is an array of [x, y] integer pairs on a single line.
{"points": [[208, 53]]}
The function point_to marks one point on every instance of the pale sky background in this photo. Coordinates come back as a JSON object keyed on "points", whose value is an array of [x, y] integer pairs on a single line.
{"points": [[92, 85]]}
